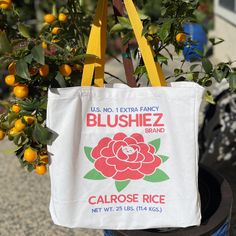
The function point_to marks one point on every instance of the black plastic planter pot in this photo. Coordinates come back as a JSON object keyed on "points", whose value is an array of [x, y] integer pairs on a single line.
{"points": [[216, 202]]}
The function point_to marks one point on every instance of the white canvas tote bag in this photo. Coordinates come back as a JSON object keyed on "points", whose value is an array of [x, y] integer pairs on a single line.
{"points": [[125, 158]]}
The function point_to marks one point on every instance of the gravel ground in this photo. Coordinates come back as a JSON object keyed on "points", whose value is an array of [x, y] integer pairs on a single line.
{"points": [[24, 201]]}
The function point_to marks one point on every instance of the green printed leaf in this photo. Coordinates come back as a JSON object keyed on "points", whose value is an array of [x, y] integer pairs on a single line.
{"points": [[157, 176], [163, 158], [94, 175], [156, 144], [120, 185], [88, 151]]}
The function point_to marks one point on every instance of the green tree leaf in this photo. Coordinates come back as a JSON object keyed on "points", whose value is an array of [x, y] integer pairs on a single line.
{"points": [[94, 175], [88, 151], [22, 69], [38, 54], [157, 176], [125, 22], [60, 79], [24, 31], [209, 98], [5, 45], [28, 58], [165, 29], [140, 70], [120, 185], [117, 28], [156, 144], [232, 81], [30, 167], [207, 65], [216, 41], [218, 75], [44, 135], [194, 66], [163, 158]]}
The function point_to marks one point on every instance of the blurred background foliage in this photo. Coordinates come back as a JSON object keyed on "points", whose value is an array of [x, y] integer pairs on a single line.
{"points": [[43, 44]]}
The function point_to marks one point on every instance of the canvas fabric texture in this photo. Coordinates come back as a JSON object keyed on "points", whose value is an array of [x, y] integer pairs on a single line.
{"points": [[125, 158]]}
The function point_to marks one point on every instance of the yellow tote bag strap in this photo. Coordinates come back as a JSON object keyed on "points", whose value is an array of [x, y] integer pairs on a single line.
{"points": [[96, 47], [155, 73], [101, 51]]}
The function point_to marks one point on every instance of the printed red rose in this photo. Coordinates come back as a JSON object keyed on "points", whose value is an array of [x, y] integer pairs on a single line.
{"points": [[125, 157]]}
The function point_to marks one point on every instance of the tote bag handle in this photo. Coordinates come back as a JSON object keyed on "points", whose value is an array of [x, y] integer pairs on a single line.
{"points": [[97, 46]]}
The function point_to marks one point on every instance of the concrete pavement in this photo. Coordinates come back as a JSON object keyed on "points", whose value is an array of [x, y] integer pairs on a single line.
{"points": [[24, 201]]}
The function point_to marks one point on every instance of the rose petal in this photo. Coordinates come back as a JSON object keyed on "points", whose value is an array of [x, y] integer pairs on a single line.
{"points": [[151, 149], [149, 168], [121, 155], [119, 136], [138, 137], [149, 158], [133, 157], [123, 165], [102, 166], [143, 147], [104, 142], [108, 151], [96, 152], [117, 145], [130, 140], [140, 157], [136, 147], [128, 174]]}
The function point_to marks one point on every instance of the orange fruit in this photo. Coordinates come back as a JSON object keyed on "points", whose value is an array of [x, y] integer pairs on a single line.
{"points": [[33, 71], [180, 37], [30, 154], [29, 119], [49, 18], [13, 131], [2, 134], [44, 158], [40, 169], [15, 108], [19, 125], [5, 4], [10, 80], [55, 40], [65, 70], [21, 91], [62, 17], [12, 68], [44, 45], [44, 70], [78, 67], [56, 30]]}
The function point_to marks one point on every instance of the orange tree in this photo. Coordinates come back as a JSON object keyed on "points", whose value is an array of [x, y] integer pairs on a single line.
{"points": [[35, 60]]}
